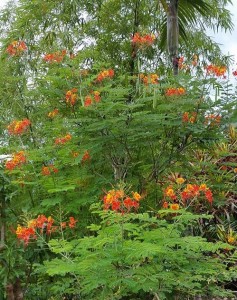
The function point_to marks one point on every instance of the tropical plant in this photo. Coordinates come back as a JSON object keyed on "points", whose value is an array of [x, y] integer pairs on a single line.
{"points": [[87, 107]]}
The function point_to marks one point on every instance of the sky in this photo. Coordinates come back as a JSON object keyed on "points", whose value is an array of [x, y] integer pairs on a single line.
{"points": [[2, 2], [228, 41]]}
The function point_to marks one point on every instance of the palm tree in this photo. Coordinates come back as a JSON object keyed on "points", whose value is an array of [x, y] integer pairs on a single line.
{"points": [[191, 13]]}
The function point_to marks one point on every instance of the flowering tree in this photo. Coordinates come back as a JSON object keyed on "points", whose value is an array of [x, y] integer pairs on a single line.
{"points": [[112, 161]]}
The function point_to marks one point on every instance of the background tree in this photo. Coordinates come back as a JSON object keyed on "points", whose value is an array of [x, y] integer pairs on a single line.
{"points": [[192, 14]]}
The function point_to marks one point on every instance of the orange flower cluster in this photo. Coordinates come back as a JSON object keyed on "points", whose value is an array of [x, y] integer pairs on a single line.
{"points": [[118, 201], [105, 74], [16, 48], [41, 225], [213, 119], [170, 193], [216, 70], [71, 224], [143, 40], [63, 140], [93, 97], [192, 190], [71, 96], [85, 157], [151, 78], [55, 57], [175, 91], [189, 117], [17, 160], [179, 196], [25, 233], [173, 206], [18, 127], [53, 113], [47, 170]]}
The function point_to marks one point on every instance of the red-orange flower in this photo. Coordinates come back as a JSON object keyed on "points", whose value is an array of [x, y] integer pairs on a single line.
{"points": [[128, 203], [169, 192], [17, 160], [25, 233], [71, 96], [136, 196], [175, 91], [150, 78], [16, 48], [94, 97], [41, 225], [192, 190], [143, 40], [105, 74], [53, 113], [18, 127], [185, 117], [86, 156], [47, 170], [189, 117], [174, 206], [209, 196], [203, 187], [216, 70], [55, 57], [88, 101], [117, 200], [116, 205], [63, 140], [179, 195], [41, 222], [72, 222]]}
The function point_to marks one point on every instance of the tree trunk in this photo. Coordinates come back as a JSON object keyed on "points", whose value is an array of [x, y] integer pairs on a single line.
{"points": [[9, 292], [173, 34], [14, 291], [18, 293]]}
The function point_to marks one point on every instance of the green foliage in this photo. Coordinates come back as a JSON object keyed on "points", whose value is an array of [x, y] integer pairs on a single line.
{"points": [[137, 254], [138, 135]]}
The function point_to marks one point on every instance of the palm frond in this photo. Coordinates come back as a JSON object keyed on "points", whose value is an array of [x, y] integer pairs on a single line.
{"points": [[199, 14]]}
